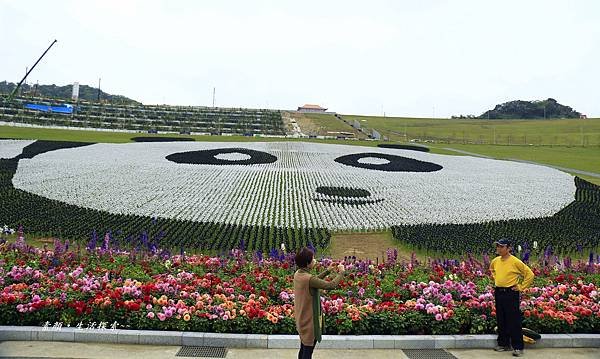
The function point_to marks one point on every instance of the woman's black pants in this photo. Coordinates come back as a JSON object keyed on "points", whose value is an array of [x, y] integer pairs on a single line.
{"points": [[508, 316]]}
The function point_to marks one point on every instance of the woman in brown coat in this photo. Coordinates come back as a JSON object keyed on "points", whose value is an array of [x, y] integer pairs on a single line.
{"points": [[307, 300]]}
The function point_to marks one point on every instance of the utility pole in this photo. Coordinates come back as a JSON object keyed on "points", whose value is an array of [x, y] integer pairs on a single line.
{"points": [[99, 80], [214, 89], [12, 94], [544, 110]]}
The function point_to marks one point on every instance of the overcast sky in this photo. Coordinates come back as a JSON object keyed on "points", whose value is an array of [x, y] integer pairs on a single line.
{"points": [[404, 58]]}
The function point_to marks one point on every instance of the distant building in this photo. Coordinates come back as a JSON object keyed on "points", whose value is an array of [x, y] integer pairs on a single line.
{"points": [[311, 108], [583, 117]]}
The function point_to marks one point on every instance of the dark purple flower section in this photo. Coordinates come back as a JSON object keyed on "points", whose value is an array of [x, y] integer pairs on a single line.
{"points": [[347, 192], [395, 164], [207, 157]]}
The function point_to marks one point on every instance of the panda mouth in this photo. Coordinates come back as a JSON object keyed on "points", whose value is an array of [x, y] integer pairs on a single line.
{"points": [[345, 196]]}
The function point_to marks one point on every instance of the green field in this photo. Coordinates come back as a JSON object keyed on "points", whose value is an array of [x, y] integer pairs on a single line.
{"points": [[121, 137], [581, 158], [563, 132]]}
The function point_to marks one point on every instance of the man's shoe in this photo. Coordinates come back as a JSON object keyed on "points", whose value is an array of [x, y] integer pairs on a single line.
{"points": [[517, 353], [500, 348]]}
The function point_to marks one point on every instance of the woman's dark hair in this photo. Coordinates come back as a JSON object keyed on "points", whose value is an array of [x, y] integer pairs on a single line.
{"points": [[304, 257]]}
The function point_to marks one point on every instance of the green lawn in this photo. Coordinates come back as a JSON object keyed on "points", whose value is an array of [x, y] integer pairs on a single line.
{"points": [[565, 132], [119, 137], [580, 158]]}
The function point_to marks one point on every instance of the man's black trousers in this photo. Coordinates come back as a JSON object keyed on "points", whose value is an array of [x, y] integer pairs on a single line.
{"points": [[508, 316]]}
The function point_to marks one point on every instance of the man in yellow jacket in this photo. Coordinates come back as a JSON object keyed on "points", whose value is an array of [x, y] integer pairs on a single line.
{"points": [[511, 276]]}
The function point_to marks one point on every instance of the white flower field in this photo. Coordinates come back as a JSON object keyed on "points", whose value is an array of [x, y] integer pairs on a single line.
{"points": [[137, 178]]}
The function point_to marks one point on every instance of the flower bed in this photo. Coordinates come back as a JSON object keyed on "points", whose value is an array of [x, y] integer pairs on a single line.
{"points": [[252, 294]]}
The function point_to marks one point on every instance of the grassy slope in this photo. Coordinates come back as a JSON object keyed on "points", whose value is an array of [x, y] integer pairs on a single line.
{"points": [[322, 123], [581, 158], [330, 122], [545, 132]]}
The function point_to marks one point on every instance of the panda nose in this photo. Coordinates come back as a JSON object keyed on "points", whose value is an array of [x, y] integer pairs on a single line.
{"points": [[345, 195]]}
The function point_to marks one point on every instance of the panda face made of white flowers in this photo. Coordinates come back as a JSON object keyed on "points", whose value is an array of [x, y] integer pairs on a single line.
{"points": [[294, 184]]}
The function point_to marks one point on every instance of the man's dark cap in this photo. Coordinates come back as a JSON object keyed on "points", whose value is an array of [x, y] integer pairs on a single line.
{"points": [[503, 242]]}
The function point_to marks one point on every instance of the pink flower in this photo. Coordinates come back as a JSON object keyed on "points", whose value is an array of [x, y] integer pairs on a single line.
{"points": [[284, 296], [438, 317], [151, 315], [161, 316]]}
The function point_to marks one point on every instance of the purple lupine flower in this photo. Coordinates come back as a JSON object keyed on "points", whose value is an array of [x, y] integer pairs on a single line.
{"points": [[144, 239], [106, 242], [92, 243], [526, 256]]}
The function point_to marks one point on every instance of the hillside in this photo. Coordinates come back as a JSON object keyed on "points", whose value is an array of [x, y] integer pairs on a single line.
{"points": [[86, 92], [549, 108]]}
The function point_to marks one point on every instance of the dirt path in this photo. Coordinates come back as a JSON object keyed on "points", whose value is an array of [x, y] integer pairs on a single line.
{"points": [[366, 246]]}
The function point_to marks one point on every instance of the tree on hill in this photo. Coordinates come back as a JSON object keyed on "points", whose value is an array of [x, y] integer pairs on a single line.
{"points": [[549, 108], [86, 92]]}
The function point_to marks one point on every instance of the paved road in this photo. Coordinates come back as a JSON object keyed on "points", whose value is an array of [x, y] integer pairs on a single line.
{"points": [[35, 349], [566, 169]]}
